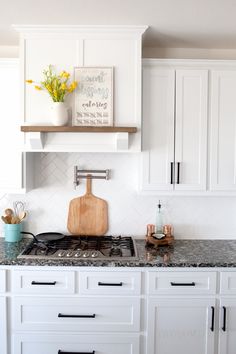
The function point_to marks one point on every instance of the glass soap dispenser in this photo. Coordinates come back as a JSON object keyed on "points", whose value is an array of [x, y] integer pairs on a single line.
{"points": [[159, 222]]}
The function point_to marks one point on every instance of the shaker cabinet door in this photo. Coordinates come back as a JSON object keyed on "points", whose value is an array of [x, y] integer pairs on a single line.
{"points": [[227, 326], [11, 158], [175, 120], [223, 131], [191, 129], [158, 128], [3, 326], [181, 326]]}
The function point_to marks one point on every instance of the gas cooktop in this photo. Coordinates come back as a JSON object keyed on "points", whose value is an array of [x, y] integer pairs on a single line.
{"points": [[83, 247]]}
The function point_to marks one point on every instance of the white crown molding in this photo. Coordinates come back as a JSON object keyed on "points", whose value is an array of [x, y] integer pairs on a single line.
{"points": [[30, 29], [230, 63]]}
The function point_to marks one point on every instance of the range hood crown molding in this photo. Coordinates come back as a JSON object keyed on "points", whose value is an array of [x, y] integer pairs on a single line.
{"points": [[124, 29]]}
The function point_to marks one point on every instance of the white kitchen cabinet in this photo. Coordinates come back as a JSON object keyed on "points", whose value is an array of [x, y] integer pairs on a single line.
{"points": [[86, 344], [2, 281], [68, 311], [90, 314], [180, 326], [227, 326], [223, 131], [109, 283], [175, 109], [12, 177], [43, 282], [3, 326], [182, 283], [228, 283], [158, 127]]}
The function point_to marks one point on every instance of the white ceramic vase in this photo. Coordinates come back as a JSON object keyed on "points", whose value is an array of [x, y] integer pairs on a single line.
{"points": [[59, 114]]}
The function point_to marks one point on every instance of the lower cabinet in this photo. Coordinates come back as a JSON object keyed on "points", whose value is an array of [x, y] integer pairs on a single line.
{"points": [[65, 310], [3, 326], [181, 326], [68, 311], [76, 344], [227, 326]]}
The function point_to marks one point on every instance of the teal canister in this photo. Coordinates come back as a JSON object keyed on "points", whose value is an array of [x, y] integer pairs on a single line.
{"points": [[12, 232]]}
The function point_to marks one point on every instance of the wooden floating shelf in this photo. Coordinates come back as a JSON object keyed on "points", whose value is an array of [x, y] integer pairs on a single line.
{"points": [[69, 129]]}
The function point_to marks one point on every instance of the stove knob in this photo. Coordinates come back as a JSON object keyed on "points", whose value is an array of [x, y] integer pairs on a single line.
{"points": [[86, 254], [94, 254], [77, 254], [61, 254], [69, 254]]}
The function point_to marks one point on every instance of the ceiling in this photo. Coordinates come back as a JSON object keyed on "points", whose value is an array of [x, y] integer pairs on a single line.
{"points": [[173, 23]]}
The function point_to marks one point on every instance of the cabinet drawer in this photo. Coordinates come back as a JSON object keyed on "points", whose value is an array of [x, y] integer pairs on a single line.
{"points": [[77, 314], [2, 281], [181, 283], [43, 282], [228, 283], [112, 283], [97, 344]]}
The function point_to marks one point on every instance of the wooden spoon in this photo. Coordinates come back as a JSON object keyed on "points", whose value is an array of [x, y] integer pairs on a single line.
{"points": [[9, 212], [15, 220], [4, 219], [22, 215], [7, 219]]}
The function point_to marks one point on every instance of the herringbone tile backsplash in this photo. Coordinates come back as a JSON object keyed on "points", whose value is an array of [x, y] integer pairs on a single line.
{"points": [[129, 212]]}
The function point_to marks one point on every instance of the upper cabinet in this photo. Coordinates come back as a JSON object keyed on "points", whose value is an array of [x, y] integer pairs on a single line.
{"points": [[223, 130], [12, 160], [67, 47], [175, 108], [189, 127]]}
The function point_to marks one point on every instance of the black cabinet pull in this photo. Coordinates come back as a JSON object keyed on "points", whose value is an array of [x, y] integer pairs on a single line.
{"points": [[212, 318], [172, 173], [109, 284], [178, 172], [224, 319], [182, 284], [76, 316], [43, 283], [62, 352]]}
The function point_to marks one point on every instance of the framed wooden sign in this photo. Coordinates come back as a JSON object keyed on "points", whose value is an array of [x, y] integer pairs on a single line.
{"points": [[93, 96]]}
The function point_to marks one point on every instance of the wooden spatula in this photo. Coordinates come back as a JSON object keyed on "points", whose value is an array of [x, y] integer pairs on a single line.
{"points": [[88, 215]]}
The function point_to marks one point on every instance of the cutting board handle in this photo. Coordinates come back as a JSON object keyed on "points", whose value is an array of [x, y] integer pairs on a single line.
{"points": [[89, 184]]}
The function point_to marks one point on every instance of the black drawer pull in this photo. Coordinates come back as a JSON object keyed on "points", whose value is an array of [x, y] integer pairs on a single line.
{"points": [[224, 319], [62, 352], [178, 172], [212, 318], [182, 284], [109, 284], [43, 283], [76, 316], [172, 173]]}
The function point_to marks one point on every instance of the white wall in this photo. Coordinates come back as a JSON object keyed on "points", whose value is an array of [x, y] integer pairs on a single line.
{"points": [[9, 51], [129, 213]]}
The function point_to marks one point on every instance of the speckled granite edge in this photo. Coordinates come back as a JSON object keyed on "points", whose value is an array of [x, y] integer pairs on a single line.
{"points": [[184, 253]]}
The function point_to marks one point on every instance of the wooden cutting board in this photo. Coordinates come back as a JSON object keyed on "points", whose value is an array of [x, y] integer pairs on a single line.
{"points": [[88, 215]]}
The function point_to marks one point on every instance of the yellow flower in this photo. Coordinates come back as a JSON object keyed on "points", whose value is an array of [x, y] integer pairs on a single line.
{"points": [[74, 84], [64, 74], [57, 86], [63, 86]]}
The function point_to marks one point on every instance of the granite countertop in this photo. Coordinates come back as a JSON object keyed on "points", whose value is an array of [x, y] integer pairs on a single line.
{"points": [[184, 253]]}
